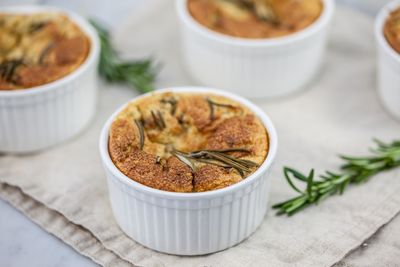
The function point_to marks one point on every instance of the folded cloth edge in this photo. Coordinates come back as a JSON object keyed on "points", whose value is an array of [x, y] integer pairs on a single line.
{"points": [[53, 222], [87, 244]]}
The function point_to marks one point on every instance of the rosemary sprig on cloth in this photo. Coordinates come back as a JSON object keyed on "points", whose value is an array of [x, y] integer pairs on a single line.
{"points": [[139, 74], [354, 170]]}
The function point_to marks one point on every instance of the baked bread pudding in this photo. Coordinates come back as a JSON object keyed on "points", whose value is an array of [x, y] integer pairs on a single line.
{"points": [[36, 49], [187, 142], [255, 18], [392, 30]]}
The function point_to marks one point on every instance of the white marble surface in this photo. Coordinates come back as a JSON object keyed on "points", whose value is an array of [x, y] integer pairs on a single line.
{"points": [[23, 243]]}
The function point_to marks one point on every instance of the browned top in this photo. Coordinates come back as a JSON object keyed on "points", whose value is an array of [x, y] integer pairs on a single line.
{"points": [[392, 30], [39, 48], [189, 122], [238, 17]]}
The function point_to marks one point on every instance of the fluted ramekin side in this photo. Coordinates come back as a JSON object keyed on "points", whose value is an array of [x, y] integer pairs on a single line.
{"points": [[39, 117], [388, 69], [253, 67]]}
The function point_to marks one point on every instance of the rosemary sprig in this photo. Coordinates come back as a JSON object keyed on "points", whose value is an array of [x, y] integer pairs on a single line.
{"points": [[139, 125], [264, 11], [219, 158], [139, 74], [185, 159], [36, 26], [158, 119], [173, 102], [181, 119], [261, 9], [45, 52], [227, 150], [8, 68], [212, 104], [354, 170]]}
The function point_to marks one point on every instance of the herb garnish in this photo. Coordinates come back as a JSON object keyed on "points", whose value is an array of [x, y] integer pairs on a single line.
{"points": [[185, 159], [264, 11], [212, 104], [139, 74], [173, 102], [44, 53], [7, 69], [36, 26], [261, 9], [140, 127], [219, 158], [180, 118], [158, 119], [354, 170]]}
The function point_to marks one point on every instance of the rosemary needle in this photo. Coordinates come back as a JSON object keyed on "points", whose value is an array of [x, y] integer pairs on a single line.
{"points": [[158, 119], [212, 104], [261, 9], [8, 68], [139, 74], [140, 127], [354, 170], [173, 102], [219, 158]]}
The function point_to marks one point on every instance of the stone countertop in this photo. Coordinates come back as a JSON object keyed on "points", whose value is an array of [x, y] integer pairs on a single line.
{"points": [[23, 243]]}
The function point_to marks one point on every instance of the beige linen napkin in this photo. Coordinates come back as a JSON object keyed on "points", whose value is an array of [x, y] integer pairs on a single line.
{"points": [[382, 249], [64, 189]]}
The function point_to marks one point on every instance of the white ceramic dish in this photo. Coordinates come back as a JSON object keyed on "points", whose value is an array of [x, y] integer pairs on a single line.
{"points": [[388, 64], [190, 223], [39, 117], [253, 68]]}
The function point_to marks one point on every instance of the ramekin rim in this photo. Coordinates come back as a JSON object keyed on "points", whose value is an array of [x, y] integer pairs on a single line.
{"points": [[267, 122], [379, 25], [91, 58], [323, 19]]}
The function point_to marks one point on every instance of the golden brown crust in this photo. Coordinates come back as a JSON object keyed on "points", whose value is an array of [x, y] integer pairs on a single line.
{"points": [[237, 131], [230, 18], [124, 139], [170, 175], [188, 125], [39, 48], [211, 177], [392, 30], [197, 110]]}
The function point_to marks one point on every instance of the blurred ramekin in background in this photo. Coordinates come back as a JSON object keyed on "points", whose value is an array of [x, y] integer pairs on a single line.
{"points": [[254, 68], [42, 116], [388, 64], [190, 223]]}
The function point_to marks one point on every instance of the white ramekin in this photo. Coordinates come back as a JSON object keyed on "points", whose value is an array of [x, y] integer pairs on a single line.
{"points": [[36, 118], [190, 223], [253, 68], [388, 64]]}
